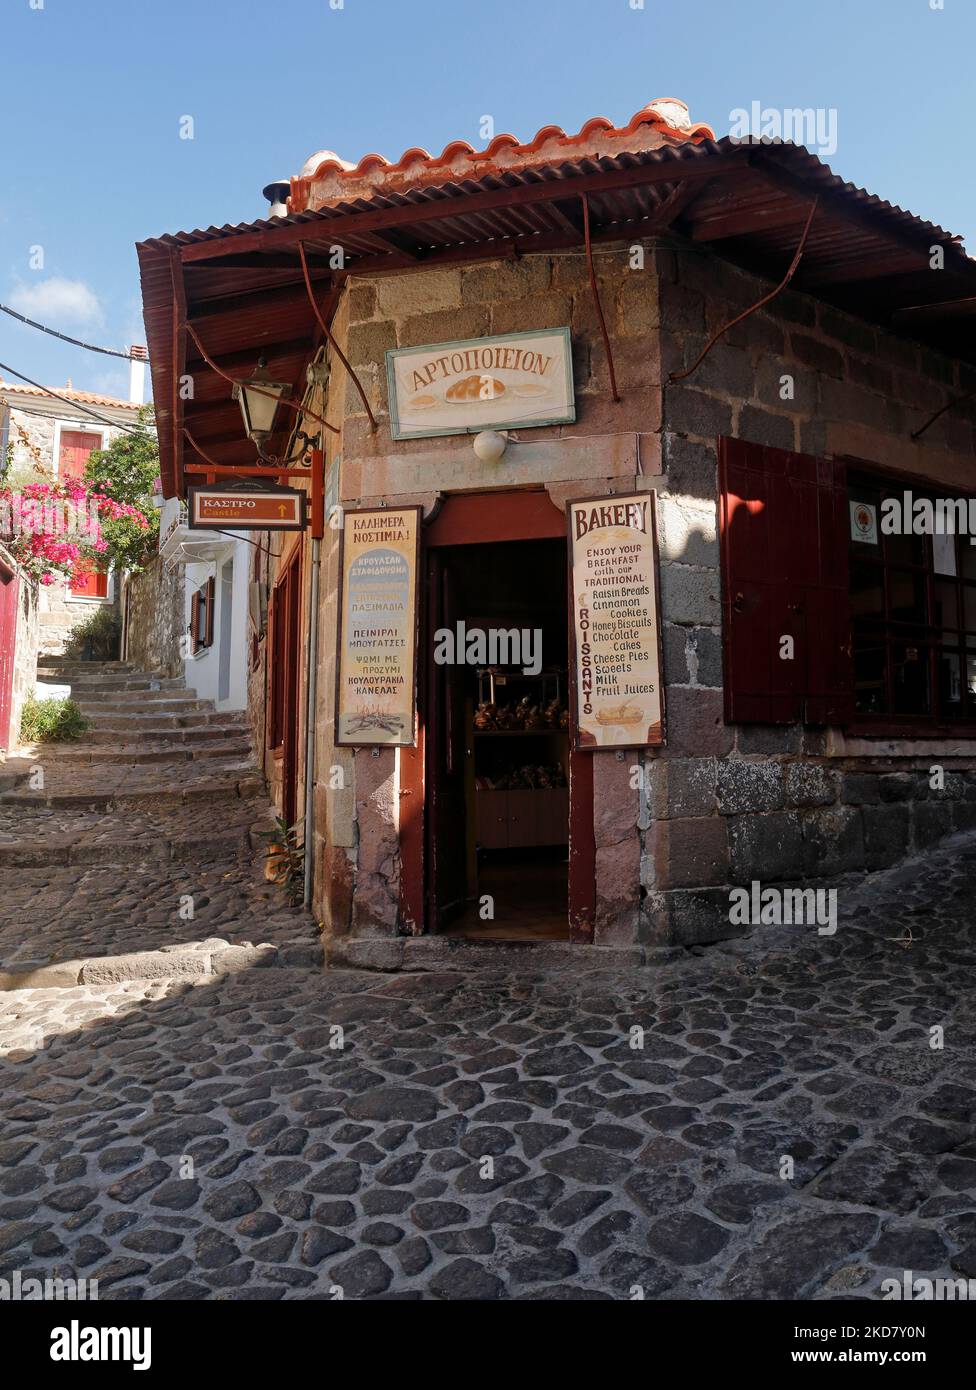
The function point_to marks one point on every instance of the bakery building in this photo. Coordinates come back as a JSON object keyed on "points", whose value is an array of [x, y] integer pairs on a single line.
{"points": [[594, 612]]}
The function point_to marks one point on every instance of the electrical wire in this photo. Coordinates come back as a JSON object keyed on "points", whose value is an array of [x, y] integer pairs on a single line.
{"points": [[75, 342], [75, 405]]}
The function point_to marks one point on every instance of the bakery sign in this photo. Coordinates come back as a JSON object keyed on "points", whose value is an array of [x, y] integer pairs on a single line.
{"points": [[616, 621], [513, 381]]}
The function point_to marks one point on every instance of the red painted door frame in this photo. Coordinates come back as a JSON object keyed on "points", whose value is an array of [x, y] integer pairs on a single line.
{"points": [[9, 593], [484, 519], [284, 679]]}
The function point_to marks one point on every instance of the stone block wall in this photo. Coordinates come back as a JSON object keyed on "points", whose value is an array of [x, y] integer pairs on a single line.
{"points": [[718, 805], [610, 447], [154, 603], [60, 612], [726, 805]]}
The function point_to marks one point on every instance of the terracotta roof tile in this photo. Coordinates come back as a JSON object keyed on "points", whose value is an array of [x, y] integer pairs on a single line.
{"points": [[9, 388], [325, 177]]}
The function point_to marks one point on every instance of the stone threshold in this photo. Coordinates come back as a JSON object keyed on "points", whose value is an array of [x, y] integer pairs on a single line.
{"points": [[421, 953], [210, 958]]}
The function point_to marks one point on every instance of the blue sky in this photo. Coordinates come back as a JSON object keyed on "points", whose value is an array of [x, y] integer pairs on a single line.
{"points": [[93, 94]]}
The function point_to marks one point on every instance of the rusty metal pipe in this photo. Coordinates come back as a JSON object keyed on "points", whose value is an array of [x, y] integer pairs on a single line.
{"points": [[680, 376], [596, 297], [331, 339]]}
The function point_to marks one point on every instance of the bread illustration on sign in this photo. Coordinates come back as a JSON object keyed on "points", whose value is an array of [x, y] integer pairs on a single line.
{"points": [[475, 388]]}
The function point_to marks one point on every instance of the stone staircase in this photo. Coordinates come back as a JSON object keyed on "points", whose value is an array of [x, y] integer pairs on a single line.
{"points": [[158, 803], [181, 772], [142, 717]]}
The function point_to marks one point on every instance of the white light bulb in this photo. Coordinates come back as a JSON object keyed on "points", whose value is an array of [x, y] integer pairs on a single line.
{"points": [[489, 446]]}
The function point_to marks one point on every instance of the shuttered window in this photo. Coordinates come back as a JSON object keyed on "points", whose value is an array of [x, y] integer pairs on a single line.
{"points": [[74, 450], [786, 613], [202, 617]]}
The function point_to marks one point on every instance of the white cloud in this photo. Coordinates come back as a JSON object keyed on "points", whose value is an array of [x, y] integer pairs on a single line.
{"points": [[58, 302]]}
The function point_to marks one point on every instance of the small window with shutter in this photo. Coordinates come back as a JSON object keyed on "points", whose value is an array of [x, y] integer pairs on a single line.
{"points": [[202, 617], [786, 610]]}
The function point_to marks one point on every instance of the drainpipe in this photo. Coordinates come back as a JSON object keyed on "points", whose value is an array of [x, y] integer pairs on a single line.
{"points": [[312, 660]]}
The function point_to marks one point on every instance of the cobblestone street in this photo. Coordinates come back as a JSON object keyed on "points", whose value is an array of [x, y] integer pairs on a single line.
{"points": [[763, 1119]]}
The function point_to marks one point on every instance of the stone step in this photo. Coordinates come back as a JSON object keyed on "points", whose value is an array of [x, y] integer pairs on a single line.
{"points": [[138, 755], [92, 668], [129, 691], [94, 688], [170, 733], [157, 849], [239, 782], [125, 725], [96, 711]]}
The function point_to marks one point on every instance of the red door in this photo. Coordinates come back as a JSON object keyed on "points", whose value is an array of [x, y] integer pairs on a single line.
{"points": [[9, 591], [284, 680], [75, 448]]}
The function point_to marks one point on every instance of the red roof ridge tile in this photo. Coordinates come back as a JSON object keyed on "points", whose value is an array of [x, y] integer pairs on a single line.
{"points": [[668, 115]]}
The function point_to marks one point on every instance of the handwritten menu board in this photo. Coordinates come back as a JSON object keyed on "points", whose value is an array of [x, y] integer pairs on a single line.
{"points": [[377, 659], [616, 623]]}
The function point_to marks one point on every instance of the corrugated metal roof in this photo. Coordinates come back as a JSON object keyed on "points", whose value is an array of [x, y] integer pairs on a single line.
{"points": [[243, 289]]}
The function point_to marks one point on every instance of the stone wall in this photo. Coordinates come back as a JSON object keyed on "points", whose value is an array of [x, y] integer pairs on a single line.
{"points": [[153, 603], [719, 804], [611, 447], [60, 612], [731, 804]]}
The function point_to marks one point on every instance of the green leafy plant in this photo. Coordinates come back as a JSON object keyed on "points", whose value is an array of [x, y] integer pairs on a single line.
{"points": [[127, 473], [96, 637], [51, 721], [285, 862]]}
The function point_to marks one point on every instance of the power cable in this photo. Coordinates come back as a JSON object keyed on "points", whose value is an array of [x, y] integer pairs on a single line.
{"points": [[75, 342], [75, 405]]}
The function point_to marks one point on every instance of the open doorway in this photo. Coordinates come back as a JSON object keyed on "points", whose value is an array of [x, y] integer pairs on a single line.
{"points": [[498, 740]]}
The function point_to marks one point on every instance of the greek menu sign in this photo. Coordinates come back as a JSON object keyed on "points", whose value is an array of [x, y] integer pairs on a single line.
{"points": [[376, 666], [616, 624], [513, 381]]}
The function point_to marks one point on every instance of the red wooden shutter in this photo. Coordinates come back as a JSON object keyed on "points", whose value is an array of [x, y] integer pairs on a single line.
{"points": [[195, 621], [89, 582], [73, 452], [784, 572], [209, 601]]}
